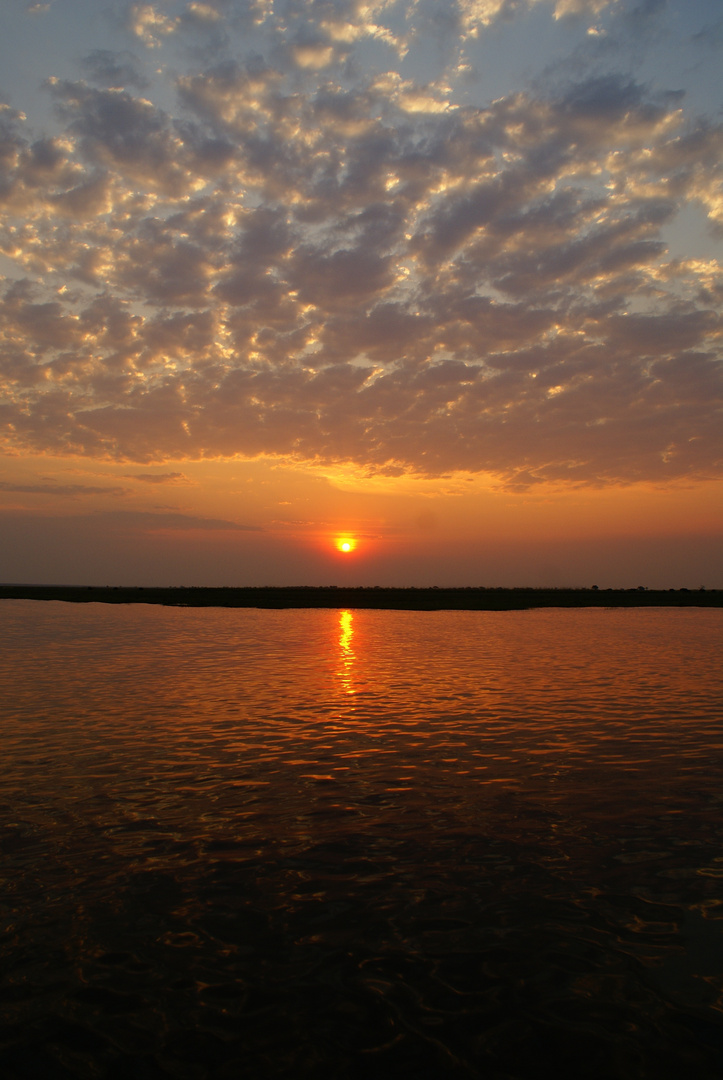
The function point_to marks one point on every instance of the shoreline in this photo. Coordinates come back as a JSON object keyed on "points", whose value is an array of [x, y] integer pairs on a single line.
{"points": [[372, 597]]}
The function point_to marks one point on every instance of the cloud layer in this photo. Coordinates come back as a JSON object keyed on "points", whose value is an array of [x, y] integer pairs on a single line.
{"points": [[320, 256]]}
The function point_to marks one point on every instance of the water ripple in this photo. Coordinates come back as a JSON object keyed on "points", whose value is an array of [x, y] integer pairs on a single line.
{"points": [[361, 843]]}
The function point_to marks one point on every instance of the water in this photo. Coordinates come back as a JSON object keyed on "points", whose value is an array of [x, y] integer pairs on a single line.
{"points": [[242, 843]]}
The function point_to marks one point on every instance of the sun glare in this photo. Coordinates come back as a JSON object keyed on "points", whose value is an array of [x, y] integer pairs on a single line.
{"points": [[345, 544]]}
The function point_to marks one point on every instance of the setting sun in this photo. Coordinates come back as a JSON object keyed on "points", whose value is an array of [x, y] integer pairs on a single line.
{"points": [[345, 544]]}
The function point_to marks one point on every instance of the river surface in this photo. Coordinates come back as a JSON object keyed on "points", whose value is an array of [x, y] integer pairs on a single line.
{"points": [[351, 844]]}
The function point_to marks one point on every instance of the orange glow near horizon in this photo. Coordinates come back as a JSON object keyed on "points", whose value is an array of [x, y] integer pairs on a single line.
{"points": [[345, 544]]}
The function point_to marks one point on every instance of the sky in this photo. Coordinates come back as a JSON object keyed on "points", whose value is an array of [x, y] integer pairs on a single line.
{"points": [[439, 279]]}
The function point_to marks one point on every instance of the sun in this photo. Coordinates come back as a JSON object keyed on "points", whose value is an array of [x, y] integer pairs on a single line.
{"points": [[345, 544]]}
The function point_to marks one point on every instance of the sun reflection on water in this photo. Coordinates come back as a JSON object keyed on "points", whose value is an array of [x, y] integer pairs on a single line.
{"points": [[347, 656]]}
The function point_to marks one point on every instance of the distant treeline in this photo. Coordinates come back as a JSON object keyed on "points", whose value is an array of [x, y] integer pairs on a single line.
{"points": [[468, 598]]}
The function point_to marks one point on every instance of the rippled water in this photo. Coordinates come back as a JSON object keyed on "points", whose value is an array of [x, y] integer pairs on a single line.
{"points": [[242, 843]]}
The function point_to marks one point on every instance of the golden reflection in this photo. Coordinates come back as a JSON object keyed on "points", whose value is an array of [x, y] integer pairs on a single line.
{"points": [[346, 651]]}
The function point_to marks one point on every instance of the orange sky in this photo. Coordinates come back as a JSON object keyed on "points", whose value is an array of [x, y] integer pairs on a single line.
{"points": [[275, 274], [263, 522]]}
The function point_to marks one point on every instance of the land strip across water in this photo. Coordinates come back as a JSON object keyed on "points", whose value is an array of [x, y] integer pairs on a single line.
{"points": [[381, 597]]}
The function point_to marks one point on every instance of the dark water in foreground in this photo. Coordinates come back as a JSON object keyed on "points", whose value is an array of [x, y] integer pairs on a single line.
{"points": [[242, 843]]}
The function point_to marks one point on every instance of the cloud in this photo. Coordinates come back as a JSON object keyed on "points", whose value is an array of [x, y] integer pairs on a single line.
{"points": [[114, 70], [469, 18], [711, 36], [130, 136], [150, 521], [61, 490], [305, 261], [150, 25], [203, 13], [159, 478]]}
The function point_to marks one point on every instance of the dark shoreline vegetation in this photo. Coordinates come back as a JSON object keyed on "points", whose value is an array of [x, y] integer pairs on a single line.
{"points": [[379, 597]]}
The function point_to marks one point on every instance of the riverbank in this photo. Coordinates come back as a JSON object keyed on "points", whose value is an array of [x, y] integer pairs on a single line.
{"points": [[382, 598]]}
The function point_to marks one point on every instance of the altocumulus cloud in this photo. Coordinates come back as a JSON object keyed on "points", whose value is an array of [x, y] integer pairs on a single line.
{"points": [[310, 258]]}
